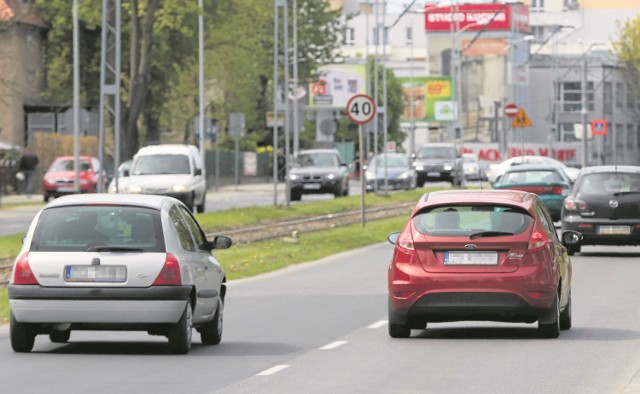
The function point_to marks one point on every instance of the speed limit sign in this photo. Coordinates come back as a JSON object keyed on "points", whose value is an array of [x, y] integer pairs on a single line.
{"points": [[361, 109]]}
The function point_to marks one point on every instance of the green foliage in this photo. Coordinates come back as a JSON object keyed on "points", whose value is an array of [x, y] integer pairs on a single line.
{"points": [[628, 51]]}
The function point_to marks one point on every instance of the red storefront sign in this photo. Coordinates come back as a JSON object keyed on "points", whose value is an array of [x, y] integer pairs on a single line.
{"points": [[444, 19]]}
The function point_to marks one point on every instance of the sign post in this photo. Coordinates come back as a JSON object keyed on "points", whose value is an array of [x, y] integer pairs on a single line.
{"points": [[360, 110], [599, 127], [521, 120]]}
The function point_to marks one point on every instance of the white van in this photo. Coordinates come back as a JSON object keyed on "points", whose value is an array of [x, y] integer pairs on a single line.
{"points": [[170, 170]]}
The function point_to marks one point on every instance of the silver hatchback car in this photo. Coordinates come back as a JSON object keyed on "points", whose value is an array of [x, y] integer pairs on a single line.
{"points": [[117, 262]]}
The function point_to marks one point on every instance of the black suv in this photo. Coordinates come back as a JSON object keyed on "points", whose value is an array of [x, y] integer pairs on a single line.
{"points": [[604, 206], [438, 162], [318, 171]]}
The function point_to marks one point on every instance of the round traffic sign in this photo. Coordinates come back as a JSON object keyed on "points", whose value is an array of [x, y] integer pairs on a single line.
{"points": [[511, 110], [361, 109]]}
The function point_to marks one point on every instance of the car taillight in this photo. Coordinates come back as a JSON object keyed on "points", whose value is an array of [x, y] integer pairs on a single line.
{"points": [[405, 243], [23, 275], [557, 190], [537, 241], [170, 274], [575, 204]]}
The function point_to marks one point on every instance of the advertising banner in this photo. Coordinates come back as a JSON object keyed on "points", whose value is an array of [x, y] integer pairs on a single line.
{"points": [[431, 99], [470, 16], [336, 84]]}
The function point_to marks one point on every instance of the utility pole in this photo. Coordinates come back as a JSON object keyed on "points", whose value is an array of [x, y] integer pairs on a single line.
{"points": [[296, 125], [76, 96], [584, 112], [203, 153]]}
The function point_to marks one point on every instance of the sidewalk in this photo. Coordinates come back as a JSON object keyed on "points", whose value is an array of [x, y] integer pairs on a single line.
{"points": [[14, 199]]}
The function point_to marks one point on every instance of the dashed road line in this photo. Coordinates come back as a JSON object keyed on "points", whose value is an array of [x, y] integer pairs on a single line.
{"points": [[333, 345], [379, 324], [273, 370]]}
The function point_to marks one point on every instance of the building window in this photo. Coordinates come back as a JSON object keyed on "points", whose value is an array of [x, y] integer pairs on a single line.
{"points": [[619, 135], [608, 98], [619, 95], [567, 132], [631, 136], [638, 138], [570, 96], [537, 5], [539, 33], [631, 100], [409, 35], [380, 32], [350, 36]]}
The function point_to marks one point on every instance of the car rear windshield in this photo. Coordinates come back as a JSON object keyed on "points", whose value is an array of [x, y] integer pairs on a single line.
{"points": [[316, 160], [436, 152], [391, 161], [607, 183], [465, 220], [532, 176], [161, 164], [87, 227]]}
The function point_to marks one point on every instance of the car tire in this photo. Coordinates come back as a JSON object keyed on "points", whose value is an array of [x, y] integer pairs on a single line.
{"points": [[295, 196], [180, 333], [60, 336], [399, 330], [46, 197], [211, 333], [551, 329], [201, 206], [565, 316], [345, 192], [22, 336], [190, 203]]}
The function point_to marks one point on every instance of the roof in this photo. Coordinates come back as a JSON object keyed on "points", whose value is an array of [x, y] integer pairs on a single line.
{"points": [[506, 197], [171, 149], [143, 200], [593, 169], [11, 11]]}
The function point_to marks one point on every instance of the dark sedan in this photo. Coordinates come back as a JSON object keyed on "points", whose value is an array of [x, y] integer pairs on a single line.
{"points": [[318, 171], [390, 171], [604, 206]]}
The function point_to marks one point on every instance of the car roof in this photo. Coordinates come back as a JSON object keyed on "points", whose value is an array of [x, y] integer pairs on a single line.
{"points": [[172, 149], [438, 144], [307, 151], [143, 200], [73, 157], [596, 169], [532, 167], [517, 198]]}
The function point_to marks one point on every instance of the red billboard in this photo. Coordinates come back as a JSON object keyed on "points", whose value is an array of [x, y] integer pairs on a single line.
{"points": [[471, 16]]}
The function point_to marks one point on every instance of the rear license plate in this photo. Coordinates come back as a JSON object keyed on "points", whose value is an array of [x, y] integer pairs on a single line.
{"points": [[614, 230], [470, 258], [311, 186], [66, 189], [433, 174], [95, 273]]}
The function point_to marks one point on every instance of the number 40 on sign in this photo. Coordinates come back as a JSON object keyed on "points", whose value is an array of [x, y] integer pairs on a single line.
{"points": [[361, 109]]}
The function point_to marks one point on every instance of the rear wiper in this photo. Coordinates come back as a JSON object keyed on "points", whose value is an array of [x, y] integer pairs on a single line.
{"points": [[488, 234], [624, 193], [113, 249]]}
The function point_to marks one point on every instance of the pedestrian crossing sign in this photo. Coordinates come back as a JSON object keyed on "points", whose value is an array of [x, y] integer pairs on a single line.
{"points": [[521, 119]]}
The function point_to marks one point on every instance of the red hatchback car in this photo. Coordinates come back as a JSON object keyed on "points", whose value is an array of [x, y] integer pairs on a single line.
{"points": [[60, 177], [480, 255]]}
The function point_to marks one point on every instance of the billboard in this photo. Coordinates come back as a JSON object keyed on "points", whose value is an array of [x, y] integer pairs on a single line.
{"points": [[432, 99], [336, 84], [468, 16]]}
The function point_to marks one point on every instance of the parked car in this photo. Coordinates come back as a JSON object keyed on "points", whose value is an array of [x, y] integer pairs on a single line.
{"points": [[117, 262], [124, 170], [496, 170], [480, 255], [170, 170], [604, 206], [471, 167], [60, 178], [438, 162], [318, 171], [548, 181], [391, 169]]}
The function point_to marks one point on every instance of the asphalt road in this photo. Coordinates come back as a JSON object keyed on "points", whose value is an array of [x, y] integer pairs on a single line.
{"points": [[321, 327]]}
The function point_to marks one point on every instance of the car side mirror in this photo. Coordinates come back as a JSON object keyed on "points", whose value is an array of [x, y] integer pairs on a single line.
{"points": [[570, 237], [198, 171], [219, 242], [393, 237], [125, 173]]}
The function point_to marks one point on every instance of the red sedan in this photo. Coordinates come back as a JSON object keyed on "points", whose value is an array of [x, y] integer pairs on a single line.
{"points": [[480, 255], [59, 179]]}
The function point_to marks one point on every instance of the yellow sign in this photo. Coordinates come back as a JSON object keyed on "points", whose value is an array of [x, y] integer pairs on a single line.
{"points": [[521, 119], [439, 89]]}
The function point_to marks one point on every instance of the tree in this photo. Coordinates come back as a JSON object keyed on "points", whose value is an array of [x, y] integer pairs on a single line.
{"points": [[628, 50]]}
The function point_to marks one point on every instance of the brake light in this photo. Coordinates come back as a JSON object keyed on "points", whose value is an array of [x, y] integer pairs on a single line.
{"points": [[405, 243], [537, 241], [557, 190], [575, 204], [170, 273], [22, 274]]}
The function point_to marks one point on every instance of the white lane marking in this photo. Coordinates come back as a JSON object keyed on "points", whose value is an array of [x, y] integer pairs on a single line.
{"points": [[273, 370], [379, 324], [333, 345]]}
